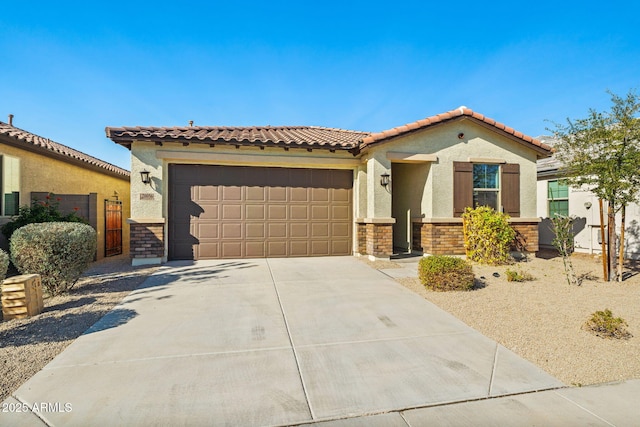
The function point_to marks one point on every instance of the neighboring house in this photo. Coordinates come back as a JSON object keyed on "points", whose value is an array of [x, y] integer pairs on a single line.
{"points": [[554, 196], [31, 167], [241, 192]]}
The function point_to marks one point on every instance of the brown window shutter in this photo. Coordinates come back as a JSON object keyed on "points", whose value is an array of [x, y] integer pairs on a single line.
{"points": [[511, 189], [462, 187]]}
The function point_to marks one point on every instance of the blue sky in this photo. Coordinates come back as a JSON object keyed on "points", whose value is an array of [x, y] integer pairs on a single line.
{"points": [[72, 68]]}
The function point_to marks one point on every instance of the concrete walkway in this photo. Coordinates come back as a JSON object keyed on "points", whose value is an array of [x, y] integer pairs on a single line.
{"points": [[296, 341]]}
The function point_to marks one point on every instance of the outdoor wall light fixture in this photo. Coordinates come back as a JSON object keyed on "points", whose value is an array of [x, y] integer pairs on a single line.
{"points": [[587, 205], [145, 177], [384, 179]]}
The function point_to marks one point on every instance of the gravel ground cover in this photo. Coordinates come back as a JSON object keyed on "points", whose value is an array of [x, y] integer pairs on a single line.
{"points": [[27, 345], [541, 320]]}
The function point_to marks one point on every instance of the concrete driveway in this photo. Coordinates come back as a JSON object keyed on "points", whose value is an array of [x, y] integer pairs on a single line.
{"points": [[270, 342]]}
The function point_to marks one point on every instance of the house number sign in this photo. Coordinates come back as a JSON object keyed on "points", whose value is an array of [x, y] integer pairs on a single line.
{"points": [[146, 196]]}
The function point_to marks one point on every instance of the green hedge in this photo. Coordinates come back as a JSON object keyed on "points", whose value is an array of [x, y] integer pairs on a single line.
{"points": [[445, 273], [4, 264], [58, 251]]}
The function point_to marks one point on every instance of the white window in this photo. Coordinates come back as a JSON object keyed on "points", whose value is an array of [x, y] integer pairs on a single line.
{"points": [[10, 183], [486, 186]]}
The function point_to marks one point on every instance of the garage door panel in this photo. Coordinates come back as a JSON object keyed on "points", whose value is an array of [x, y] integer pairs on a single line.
{"points": [[277, 230], [321, 178], [320, 230], [277, 248], [341, 195], [299, 212], [340, 213], [210, 230], [209, 250], [231, 193], [319, 213], [320, 248], [255, 249], [255, 212], [208, 212], [255, 231], [340, 246], [232, 211], [256, 194], [299, 230], [237, 211], [277, 194], [208, 193], [340, 230], [232, 230], [299, 248], [298, 194], [277, 212], [320, 194], [231, 249]]}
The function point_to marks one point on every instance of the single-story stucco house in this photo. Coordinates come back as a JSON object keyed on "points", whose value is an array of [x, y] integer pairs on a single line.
{"points": [[555, 196], [239, 192], [32, 167]]}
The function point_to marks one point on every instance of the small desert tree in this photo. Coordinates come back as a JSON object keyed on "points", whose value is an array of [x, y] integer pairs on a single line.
{"points": [[602, 152], [562, 227]]}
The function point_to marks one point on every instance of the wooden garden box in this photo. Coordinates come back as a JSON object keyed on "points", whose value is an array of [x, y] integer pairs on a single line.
{"points": [[21, 296]]}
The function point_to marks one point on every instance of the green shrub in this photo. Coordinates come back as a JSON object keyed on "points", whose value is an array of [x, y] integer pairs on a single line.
{"points": [[59, 251], [39, 211], [518, 276], [603, 324], [487, 235], [4, 264], [445, 273]]}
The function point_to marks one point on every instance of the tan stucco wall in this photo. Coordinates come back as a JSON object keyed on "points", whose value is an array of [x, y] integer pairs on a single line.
{"points": [[40, 173], [478, 143]]}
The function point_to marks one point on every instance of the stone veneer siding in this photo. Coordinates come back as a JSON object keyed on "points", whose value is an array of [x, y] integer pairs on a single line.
{"points": [[362, 238], [147, 240], [447, 238], [375, 239]]}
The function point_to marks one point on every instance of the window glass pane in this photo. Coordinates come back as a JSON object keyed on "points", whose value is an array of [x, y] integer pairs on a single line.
{"points": [[558, 207], [485, 176], [485, 198], [10, 185], [558, 190]]}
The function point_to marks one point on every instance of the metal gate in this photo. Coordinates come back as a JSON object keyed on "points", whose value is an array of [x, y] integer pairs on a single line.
{"points": [[113, 227]]}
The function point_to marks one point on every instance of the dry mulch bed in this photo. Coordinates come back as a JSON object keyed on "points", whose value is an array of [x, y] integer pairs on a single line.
{"points": [[542, 320]]}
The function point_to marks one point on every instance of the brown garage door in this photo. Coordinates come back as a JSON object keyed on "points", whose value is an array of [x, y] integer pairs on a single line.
{"points": [[254, 212]]}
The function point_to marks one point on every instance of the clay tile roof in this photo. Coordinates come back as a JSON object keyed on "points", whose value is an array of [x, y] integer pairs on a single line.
{"points": [[23, 139], [293, 136], [305, 136], [452, 115]]}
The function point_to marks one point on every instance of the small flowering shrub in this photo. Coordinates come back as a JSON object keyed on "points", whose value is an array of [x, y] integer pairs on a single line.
{"points": [[603, 324], [487, 235], [58, 251], [518, 275], [445, 273], [40, 211], [4, 264]]}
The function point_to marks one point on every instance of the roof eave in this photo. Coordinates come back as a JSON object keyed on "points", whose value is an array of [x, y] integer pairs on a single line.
{"points": [[17, 143]]}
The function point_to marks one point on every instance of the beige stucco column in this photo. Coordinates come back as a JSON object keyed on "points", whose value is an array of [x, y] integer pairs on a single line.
{"points": [[147, 222], [375, 228]]}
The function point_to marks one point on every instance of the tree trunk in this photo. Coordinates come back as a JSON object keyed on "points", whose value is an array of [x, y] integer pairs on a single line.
{"points": [[603, 243], [621, 255], [611, 241]]}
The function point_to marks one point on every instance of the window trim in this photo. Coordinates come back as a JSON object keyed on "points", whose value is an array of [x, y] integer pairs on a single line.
{"points": [[497, 191], [551, 199]]}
